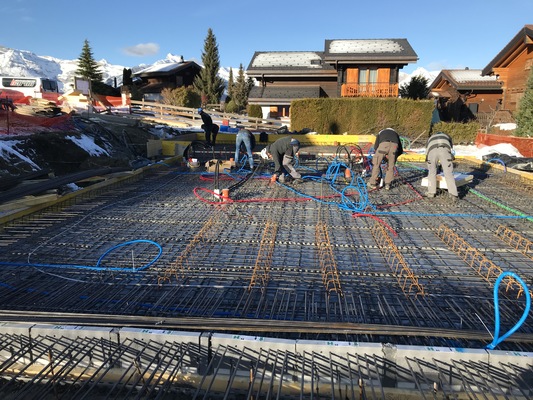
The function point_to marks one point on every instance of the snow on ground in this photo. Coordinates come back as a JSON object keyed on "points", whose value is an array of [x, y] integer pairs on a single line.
{"points": [[8, 151], [87, 143], [479, 152]]}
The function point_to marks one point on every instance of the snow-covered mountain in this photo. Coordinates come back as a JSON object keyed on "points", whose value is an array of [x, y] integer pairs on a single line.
{"points": [[25, 63]]}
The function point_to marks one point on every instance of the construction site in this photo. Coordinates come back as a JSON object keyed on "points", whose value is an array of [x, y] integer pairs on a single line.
{"points": [[199, 280]]}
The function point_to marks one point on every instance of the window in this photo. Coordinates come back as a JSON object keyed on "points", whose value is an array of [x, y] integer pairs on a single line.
{"points": [[368, 75]]}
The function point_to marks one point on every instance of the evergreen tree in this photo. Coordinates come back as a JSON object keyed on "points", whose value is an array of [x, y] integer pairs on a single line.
{"points": [[207, 83], [524, 116], [416, 89], [242, 89], [231, 84], [87, 66]]}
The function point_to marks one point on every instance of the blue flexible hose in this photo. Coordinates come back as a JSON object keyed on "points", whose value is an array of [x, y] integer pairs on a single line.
{"points": [[126, 244], [97, 267], [497, 339]]}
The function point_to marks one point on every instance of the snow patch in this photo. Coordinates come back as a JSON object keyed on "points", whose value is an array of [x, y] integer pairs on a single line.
{"points": [[87, 143]]}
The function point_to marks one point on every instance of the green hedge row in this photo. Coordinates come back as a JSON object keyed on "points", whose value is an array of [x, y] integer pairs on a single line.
{"points": [[361, 116], [459, 132]]}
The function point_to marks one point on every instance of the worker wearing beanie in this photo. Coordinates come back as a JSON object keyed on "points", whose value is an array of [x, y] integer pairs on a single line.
{"points": [[439, 150], [283, 151]]}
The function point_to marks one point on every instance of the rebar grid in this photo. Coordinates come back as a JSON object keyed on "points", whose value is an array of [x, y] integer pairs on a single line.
{"points": [[516, 240], [181, 264], [406, 278], [170, 364], [261, 271], [163, 209], [484, 267], [326, 259]]}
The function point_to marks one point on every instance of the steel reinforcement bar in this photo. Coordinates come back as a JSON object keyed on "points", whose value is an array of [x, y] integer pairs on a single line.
{"points": [[263, 262], [328, 266], [181, 264], [406, 278], [516, 240], [484, 267]]}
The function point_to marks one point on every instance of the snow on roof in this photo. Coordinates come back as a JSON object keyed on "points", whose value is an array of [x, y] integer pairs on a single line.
{"points": [[361, 46], [470, 75], [164, 67], [308, 59]]}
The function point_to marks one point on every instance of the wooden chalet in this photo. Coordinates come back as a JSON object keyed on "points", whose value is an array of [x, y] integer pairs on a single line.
{"points": [[346, 68], [465, 94], [512, 67], [168, 75]]}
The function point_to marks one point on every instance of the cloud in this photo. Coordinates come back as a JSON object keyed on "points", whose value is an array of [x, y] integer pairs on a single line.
{"points": [[142, 49]]}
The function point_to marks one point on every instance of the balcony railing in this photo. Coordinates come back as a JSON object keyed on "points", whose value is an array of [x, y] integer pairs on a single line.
{"points": [[369, 90]]}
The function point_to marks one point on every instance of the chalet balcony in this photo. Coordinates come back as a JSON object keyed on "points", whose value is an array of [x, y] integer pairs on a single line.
{"points": [[369, 90]]}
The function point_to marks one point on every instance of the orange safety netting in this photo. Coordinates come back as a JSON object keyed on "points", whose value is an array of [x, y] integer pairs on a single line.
{"points": [[12, 122], [523, 145]]}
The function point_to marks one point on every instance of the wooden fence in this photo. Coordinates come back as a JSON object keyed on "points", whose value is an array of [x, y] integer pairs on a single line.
{"points": [[190, 115]]}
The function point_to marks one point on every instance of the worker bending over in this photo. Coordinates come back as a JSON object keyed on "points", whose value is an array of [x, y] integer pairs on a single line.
{"points": [[439, 150], [283, 151], [389, 145]]}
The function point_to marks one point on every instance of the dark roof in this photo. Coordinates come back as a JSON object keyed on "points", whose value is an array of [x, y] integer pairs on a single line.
{"points": [[467, 79], [369, 51], [522, 38], [166, 69], [283, 93]]}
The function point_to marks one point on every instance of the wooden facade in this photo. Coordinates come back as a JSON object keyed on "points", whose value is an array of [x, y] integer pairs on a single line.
{"points": [[369, 82], [512, 66], [346, 68], [464, 95], [166, 76]]}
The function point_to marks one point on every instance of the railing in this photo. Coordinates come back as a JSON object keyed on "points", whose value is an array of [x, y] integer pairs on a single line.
{"points": [[168, 112], [369, 90]]}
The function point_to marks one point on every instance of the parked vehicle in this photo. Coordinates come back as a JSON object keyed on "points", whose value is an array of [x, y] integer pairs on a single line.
{"points": [[22, 89]]}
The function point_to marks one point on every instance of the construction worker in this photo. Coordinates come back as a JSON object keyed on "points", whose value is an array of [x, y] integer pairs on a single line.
{"points": [[208, 127], [244, 136], [283, 151], [439, 150], [387, 145]]}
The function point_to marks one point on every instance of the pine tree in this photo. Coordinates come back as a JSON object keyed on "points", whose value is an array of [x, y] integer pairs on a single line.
{"points": [[87, 66], [524, 116], [242, 89], [231, 84], [416, 89], [207, 83]]}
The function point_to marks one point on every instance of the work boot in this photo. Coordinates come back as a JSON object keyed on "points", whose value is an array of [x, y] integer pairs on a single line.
{"points": [[430, 195], [298, 180], [281, 178], [454, 199], [371, 185], [387, 187]]}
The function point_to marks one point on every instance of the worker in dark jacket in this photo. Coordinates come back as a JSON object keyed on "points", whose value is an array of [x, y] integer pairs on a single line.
{"points": [[439, 150], [208, 127], [283, 151], [389, 145]]}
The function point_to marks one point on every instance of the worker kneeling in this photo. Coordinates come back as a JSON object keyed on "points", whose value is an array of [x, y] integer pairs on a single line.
{"points": [[439, 150], [283, 152]]}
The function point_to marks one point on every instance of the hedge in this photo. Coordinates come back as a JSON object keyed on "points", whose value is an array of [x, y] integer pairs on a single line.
{"points": [[361, 116]]}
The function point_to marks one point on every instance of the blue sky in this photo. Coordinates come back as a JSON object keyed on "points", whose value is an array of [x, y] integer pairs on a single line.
{"points": [[445, 34]]}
